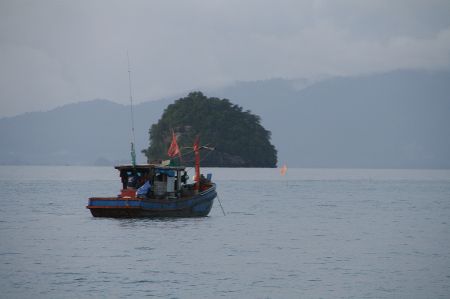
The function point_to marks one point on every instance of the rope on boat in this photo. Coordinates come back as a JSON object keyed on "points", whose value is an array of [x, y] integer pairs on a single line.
{"points": [[201, 159], [218, 199]]}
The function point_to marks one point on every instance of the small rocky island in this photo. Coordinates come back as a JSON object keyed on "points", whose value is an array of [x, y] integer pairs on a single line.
{"points": [[238, 137]]}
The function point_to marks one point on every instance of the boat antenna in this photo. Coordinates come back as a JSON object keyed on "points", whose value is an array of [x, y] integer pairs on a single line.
{"points": [[133, 152]]}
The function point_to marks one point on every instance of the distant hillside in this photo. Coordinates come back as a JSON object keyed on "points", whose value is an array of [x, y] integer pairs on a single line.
{"points": [[87, 133], [394, 120]]}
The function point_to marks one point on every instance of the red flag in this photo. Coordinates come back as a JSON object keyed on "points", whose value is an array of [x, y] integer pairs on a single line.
{"points": [[197, 162], [174, 149]]}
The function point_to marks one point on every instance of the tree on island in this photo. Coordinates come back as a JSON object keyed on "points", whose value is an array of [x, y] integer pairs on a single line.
{"points": [[238, 137]]}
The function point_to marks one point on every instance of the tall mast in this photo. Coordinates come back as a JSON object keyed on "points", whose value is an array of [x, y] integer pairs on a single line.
{"points": [[133, 152]]}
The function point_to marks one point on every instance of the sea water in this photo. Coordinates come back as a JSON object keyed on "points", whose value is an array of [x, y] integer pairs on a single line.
{"points": [[314, 233]]}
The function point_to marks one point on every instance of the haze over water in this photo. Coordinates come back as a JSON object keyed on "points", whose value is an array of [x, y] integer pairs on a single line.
{"points": [[316, 233]]}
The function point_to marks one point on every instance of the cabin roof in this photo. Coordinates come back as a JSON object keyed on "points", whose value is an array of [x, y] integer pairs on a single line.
{"points": [[148, 166]]}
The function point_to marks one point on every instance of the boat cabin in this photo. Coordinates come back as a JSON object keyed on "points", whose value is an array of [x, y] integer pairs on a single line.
{"points": [[155, 181]]}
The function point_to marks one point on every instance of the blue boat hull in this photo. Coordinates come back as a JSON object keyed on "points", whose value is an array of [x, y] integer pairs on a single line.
{"points": [[196, 206]]}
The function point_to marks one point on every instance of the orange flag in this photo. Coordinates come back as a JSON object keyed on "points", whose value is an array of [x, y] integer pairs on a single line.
{"points": [[197, 162], [174, 149], [283, 169]]}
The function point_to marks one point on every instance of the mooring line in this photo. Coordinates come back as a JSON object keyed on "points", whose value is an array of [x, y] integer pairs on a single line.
{"points": [[223, 211]]}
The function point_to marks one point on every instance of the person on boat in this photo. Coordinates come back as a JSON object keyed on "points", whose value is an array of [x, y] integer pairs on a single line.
{"points": [[204, 183], [144, 189], [124, 179], [184, 178], [133, 179]]}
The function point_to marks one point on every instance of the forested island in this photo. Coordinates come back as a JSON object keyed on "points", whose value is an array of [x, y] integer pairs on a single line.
{"points": [[238, 137]]}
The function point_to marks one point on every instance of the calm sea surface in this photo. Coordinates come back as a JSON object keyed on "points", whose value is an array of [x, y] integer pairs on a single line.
{"points": [[312, 234]]}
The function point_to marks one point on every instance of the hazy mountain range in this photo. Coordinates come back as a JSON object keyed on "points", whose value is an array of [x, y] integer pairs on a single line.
{"points": [[394, 120]]}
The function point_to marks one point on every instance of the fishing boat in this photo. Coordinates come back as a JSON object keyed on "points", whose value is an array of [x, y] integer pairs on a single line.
{"points": [[169, 194], [157, 189]]}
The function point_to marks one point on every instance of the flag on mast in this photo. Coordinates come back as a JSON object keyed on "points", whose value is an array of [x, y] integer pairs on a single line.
{"points": [[174, 149], [197, 162], [197, 143]]}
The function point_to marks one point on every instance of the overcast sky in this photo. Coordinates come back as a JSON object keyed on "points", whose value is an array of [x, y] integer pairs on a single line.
{"points": [[58, 52]]}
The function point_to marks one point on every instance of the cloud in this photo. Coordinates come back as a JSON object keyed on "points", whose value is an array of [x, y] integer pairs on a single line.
{"points": [[55, 52]]}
